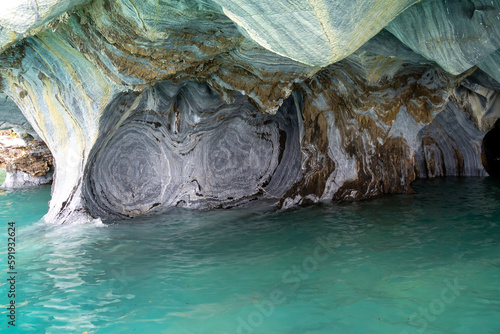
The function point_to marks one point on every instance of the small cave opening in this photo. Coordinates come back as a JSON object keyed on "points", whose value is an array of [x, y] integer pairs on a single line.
{"points": [[24, 160], [491, 151]]}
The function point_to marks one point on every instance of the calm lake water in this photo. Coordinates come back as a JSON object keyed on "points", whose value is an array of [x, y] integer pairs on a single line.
{"points": [[400, 264]]}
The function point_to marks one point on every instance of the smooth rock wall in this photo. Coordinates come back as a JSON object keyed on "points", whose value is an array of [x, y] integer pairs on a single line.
{"points": [[456, 34], [313, 32]]}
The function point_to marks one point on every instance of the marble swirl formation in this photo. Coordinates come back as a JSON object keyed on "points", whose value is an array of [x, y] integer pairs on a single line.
{"points": [[218, 103], [181, 145]]}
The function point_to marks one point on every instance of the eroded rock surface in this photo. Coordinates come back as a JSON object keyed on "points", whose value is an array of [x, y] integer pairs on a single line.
{"points": [[26, 163], [181, 145], [214, 104]]}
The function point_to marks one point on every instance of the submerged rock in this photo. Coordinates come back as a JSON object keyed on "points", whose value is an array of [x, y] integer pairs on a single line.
{"points": [[214, 104]]}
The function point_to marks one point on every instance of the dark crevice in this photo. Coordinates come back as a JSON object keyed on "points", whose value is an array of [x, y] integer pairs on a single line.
{"points": [[491, 151]]}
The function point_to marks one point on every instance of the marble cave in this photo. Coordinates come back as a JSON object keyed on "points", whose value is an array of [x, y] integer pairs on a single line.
{"points": [[211, 104]]}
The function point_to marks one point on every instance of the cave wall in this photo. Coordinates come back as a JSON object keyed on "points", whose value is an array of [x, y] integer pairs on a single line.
{"points": [[214, 104], [181, 145]]}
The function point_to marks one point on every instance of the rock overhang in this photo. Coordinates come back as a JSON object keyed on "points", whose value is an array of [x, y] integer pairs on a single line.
{"points": [[372, 104]]}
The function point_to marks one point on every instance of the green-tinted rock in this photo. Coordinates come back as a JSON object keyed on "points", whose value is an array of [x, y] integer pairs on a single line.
{"points": [[455, 34]]}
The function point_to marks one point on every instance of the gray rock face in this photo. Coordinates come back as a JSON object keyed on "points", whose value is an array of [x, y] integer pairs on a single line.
{"points": [[451, 145], [182, 145], [491, 65]]}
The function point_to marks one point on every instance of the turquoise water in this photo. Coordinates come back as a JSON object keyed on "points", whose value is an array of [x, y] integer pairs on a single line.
{"points": [[428, 262]]}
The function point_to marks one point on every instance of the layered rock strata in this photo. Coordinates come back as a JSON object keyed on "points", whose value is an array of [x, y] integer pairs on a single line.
{"points": [[26, 163], [181, 145], [214, 104]]}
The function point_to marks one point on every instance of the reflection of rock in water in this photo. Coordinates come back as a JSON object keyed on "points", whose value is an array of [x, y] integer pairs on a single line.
{"points": [[26, 163]]}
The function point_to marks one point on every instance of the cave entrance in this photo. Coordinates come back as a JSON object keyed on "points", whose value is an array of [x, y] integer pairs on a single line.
{"points": [[491, 151], [24, 160]]}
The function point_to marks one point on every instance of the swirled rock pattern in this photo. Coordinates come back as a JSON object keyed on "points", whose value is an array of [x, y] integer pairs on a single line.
{"points": [[479, 96], [182, 145], [23, 17], [334, 29], [445, 152], [215, 103], [62, 95], [455, 34], [357, 147], [491, 65]]}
